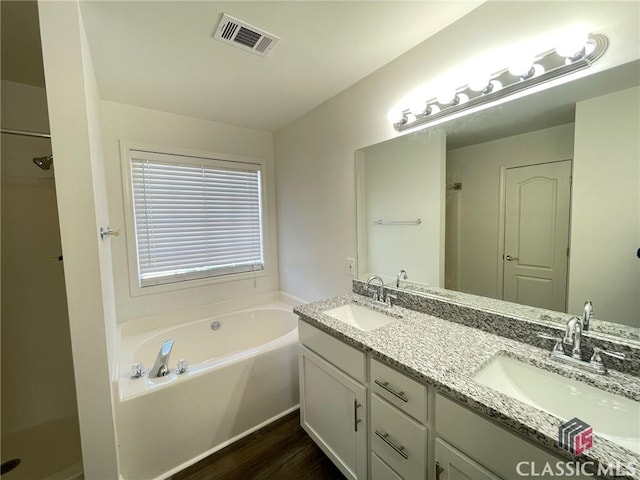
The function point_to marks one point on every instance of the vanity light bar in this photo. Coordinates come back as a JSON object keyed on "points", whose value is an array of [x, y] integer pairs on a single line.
{"points": [[546, 67]]}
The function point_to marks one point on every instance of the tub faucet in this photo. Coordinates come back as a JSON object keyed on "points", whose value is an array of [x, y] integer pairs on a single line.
{"points": [[378, 294], [587, 313], [161, 367]]}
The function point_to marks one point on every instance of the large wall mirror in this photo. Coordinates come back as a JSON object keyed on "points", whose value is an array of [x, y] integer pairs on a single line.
{"points": [[535, 201]]}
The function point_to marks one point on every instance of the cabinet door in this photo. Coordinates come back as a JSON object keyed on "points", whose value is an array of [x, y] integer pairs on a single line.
{"points": [[333, 413], [454, 465]]}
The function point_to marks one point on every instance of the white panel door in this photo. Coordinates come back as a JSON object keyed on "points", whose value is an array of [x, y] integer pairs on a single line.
{"points": [[536, 236], [333, 413]]}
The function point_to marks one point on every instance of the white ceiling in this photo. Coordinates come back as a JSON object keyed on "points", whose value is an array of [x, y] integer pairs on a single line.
{"points": [[161, 54]]}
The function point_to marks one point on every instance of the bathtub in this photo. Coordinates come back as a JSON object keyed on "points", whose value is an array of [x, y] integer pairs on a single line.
{"points": [[242, 375]]}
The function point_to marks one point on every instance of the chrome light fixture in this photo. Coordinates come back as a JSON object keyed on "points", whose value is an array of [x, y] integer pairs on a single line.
{"points": [[521, 75]]}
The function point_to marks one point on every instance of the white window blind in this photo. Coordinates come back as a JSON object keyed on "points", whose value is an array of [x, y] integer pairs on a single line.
{"points": [[195, 217]]}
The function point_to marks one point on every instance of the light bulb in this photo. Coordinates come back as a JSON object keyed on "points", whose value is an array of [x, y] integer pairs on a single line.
{"points": [[572, 44], [417, 105], [496, 85], [479, 82], [395, 115], [446, 96], [462, 98], [537, 70], [521, 67], [433, 109]]}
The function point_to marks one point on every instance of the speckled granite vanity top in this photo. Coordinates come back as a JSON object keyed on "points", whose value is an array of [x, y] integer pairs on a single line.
{"points": [[446, 355]]}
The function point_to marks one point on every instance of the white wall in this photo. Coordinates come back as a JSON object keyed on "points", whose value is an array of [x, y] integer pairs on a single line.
{"points": [[605, 218], [404, 181], [75, 137], [478, 167], [135, 125], [315, 154]]}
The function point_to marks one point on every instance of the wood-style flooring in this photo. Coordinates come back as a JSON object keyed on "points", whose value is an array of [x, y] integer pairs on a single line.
{"points": [[280, 451]]}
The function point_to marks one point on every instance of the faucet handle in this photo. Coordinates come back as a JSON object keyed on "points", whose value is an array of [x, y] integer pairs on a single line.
{"points": [[596, 359], [558, 345], [182, 366], [390, 299], [599, 351], [137, 370]]}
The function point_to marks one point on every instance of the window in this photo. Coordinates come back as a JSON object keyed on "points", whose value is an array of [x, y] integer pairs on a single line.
{"points": [[195, 217]]}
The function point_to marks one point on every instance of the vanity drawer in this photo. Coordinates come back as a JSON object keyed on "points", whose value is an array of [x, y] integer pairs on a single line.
{"points": [[401, 391], [346, 358], [398, 440], [382, 471]]}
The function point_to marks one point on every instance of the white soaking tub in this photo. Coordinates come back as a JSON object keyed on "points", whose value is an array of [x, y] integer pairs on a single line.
{"points": [[242, 375]]}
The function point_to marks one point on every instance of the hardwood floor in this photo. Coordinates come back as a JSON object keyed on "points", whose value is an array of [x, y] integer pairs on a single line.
{"points": [[280, 451]]}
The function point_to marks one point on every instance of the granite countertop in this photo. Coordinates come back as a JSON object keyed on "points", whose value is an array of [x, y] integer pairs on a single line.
{"points": [[446, 355]]}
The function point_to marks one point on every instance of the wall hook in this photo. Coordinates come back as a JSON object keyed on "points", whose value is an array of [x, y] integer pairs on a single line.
{"points": [[107, 232]]}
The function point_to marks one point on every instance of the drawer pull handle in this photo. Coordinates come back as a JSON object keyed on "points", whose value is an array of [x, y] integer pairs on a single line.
{"points": [[386, 386], [398, 449], [439, 470], [356, 420]]}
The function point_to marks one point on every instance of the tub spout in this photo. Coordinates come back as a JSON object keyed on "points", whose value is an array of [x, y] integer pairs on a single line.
{"points": [[161, 367]]}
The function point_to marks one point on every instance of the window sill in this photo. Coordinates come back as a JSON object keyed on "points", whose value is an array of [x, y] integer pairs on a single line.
{"points": [[137, 291]]}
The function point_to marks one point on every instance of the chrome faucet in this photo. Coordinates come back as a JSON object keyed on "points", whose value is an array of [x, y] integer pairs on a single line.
{"points": [[575, 327], [573, 336], [402, 275], [587, 313], [161, 367], [378, 294]]}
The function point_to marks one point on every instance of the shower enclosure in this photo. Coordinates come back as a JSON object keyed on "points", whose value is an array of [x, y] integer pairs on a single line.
{"points": [[40, 435]]}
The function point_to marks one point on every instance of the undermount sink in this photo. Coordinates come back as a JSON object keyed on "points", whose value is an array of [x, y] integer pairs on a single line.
{"points": [[359, 317], [612, 416]]}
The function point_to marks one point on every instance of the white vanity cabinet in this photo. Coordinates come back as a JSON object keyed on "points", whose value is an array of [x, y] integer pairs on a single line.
{"points": [[333, 405], [379, 433], [379, 424]]}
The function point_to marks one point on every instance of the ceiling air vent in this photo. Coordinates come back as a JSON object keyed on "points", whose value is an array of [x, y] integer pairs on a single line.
{"points": [[242, 35]]}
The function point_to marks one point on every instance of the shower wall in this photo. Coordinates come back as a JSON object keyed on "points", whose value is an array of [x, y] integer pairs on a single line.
{"points": [[37, 372]]}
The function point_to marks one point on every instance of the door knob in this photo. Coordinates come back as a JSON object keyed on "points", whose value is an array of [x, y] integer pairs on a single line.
{"points": [[509, 258]]}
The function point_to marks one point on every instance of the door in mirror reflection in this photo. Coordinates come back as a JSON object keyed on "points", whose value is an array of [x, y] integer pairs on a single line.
{"points": [[536, 234]]}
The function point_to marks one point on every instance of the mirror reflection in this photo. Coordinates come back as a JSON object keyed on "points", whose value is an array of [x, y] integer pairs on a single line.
{"points": [[535, 201]]}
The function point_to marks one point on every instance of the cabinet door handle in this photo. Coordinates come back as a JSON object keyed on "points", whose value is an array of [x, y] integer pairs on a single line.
{"points": [[356, 420], [386, 386], [398, 449], [439, 470]]}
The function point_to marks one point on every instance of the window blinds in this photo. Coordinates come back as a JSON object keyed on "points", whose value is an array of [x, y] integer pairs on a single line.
{"points": [[195, 217]]}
